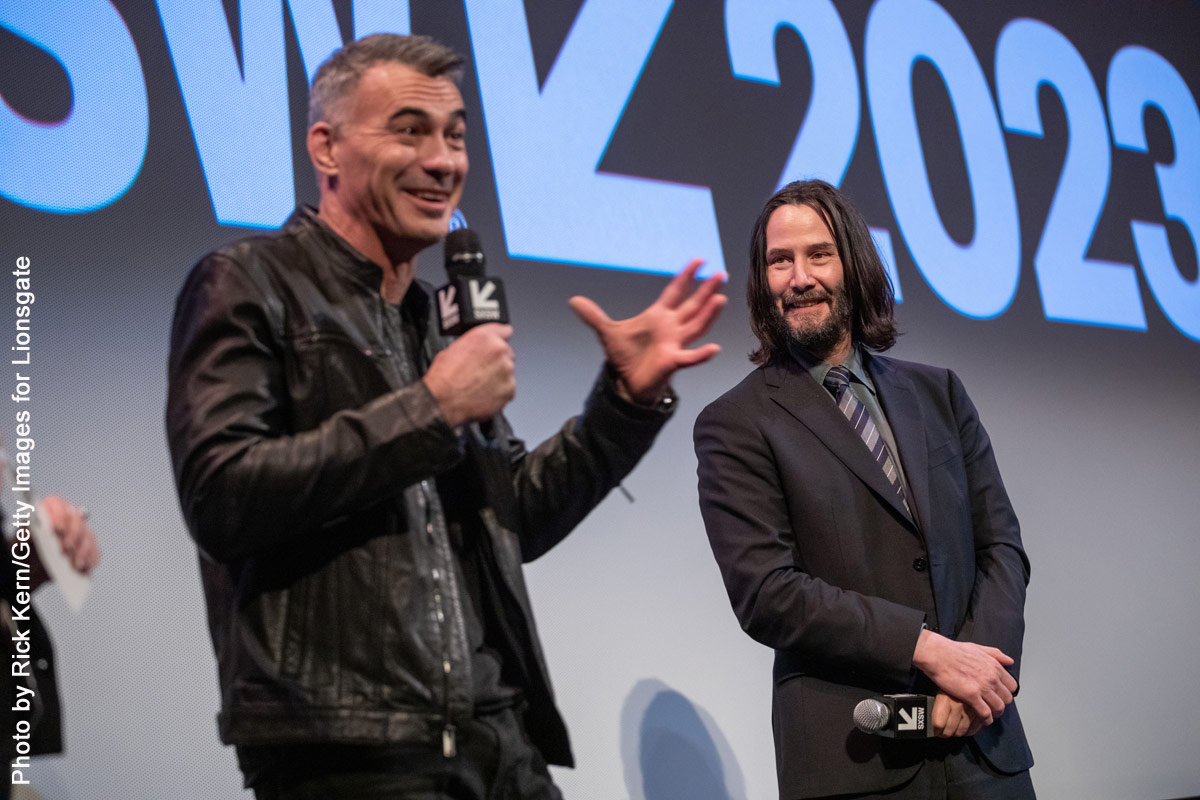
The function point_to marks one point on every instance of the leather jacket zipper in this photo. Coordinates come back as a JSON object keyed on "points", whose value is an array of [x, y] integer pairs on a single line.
{"points": [[449, 738]]}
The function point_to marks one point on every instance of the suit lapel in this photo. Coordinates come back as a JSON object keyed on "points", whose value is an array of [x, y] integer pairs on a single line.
{"points": [[898, 399], [794, 390]]}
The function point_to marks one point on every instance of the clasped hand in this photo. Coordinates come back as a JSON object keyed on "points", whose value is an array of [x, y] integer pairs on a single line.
{"points": [[975, 686]]}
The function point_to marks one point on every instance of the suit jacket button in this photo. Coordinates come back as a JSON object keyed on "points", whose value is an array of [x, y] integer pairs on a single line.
{"points": [[920, 564]]}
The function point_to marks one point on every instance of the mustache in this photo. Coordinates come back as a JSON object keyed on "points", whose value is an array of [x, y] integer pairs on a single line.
{"points": [[809, 297]]}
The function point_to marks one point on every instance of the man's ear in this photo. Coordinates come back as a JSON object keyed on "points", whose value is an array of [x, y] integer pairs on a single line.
{"points": [[320, 149]]}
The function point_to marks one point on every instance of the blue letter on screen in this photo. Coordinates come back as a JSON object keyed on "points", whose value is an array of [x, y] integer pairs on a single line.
{"points": [[826, 140], [378, 16], [546, 145], [1138, 77], [240, 118], [92, 157], [1074, 288], [977, 279]]}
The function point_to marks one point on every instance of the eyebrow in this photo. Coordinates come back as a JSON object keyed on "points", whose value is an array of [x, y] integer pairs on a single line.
{"points": [[775, 252], [458, 115]]}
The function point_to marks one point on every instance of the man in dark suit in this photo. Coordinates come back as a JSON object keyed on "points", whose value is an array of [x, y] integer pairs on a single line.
{"points": [[854, 506]]}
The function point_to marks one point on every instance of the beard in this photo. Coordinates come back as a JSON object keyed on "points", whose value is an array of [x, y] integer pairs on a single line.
{"points": [[818, 338]]}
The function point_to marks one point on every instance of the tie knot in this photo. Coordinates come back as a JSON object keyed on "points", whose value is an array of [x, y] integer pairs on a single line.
{"points": [[837, 380]]}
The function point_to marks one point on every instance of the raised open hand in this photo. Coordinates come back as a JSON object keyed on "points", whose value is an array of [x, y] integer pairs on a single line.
{"points": [[647, 349]]}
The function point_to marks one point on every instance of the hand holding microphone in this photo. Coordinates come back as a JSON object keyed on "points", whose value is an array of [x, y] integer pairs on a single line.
{"points": [[473, 378], [915, 716], [951, 718]]}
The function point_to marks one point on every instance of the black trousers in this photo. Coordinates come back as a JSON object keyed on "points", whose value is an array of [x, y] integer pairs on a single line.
{"points": [[494, 761], [956, 771]]}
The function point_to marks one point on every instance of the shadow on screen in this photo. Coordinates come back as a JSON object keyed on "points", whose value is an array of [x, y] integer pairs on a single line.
{"points": [[673, 750]]}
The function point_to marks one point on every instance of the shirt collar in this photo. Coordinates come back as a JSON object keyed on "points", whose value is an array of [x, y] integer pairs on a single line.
{"points": [[818, 369]]}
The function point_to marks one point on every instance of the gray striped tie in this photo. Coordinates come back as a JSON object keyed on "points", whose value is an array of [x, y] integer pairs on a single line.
{"points": [[838, 384]]}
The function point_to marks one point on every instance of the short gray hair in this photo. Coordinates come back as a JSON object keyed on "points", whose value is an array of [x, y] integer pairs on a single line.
{"points": [[338, 76]]}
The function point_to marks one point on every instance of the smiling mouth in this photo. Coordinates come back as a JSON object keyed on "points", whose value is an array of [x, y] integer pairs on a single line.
{"points": [[808, 302], [429, 195]]}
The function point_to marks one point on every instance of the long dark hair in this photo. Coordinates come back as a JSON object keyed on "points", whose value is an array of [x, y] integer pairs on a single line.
{"points": [[867, 286]]}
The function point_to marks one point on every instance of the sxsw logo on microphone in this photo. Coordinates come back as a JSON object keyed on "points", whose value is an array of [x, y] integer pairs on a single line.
{"points": [[483, 303], [911, 719], [465, 303], [448, 307], [909, 714]]}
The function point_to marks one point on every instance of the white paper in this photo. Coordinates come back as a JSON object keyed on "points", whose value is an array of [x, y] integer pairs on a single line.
{"points": [[74, 585]]}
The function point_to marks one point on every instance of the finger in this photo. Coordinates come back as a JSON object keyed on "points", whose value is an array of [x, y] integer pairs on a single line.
{"points": [[66, 521], [980, 709], [492, 329], [590, 313], [674, 292], [74, 531], [80, 555], [962, 724], [89, 555], [700, 324], [55, 508], [999, 655], [482, 335], [940, 715], [695, 302], [690, 358], [954, 715], [957, 718], [995, 703]]}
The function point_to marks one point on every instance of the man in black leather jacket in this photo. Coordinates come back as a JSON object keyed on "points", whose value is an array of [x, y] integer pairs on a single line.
{"points": [[360, 542]]}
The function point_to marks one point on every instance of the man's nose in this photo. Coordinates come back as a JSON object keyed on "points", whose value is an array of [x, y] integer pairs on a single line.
{"points": [[439, 158], [801, 280]]}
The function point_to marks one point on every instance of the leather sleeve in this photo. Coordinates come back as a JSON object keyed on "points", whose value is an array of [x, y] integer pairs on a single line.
{"points": [[246, 482], [560, 481], [746, 515]]}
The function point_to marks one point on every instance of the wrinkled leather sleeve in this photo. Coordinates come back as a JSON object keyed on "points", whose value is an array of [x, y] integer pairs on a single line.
{"points": [[566, 476], [246, 482]]}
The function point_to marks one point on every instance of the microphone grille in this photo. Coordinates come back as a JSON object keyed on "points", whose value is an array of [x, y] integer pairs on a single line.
{"points": [[871, 715], [464, 252]]}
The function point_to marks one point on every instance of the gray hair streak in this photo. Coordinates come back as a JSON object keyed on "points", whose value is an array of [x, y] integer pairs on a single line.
{"points": [[338, 76]]}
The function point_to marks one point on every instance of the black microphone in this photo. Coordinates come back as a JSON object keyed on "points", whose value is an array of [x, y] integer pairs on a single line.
{"points": [[896, 716], [469, 298]]}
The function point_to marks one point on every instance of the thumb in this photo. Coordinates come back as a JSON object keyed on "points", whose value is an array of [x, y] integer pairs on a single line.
{"points": [[592, 315]]}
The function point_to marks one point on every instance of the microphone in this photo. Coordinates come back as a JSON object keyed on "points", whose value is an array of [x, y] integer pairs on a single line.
{"points": [[469, 298], [896, 716]]}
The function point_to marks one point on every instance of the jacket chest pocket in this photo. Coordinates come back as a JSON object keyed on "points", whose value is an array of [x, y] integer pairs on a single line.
{"points": [[328, 371]]}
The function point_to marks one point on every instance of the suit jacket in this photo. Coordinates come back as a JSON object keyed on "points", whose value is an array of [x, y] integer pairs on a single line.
{"points": [[822, 562]]}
